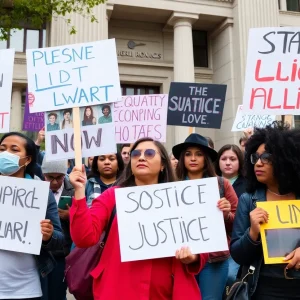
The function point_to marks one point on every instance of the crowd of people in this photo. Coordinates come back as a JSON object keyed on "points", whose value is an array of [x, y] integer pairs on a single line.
{"points": [[264, 167]]}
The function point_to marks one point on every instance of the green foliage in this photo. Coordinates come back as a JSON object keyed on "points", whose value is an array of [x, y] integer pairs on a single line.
{"points": [[15, 13]]}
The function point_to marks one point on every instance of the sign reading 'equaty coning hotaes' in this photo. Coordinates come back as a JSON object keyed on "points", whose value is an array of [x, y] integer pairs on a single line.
{"points": [[272, 82]]}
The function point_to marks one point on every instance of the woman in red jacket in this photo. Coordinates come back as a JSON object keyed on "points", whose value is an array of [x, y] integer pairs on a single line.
{"points": [[170, 278]]}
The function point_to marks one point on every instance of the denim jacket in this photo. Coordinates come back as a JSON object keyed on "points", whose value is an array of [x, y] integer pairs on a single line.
{"points": [[243, 249], [45, 261]]}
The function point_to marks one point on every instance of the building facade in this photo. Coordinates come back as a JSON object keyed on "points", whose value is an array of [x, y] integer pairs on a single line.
{"points": [[160, 41]]}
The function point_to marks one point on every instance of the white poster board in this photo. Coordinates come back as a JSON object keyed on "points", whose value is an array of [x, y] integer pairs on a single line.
{"points": [[23, 204], [244, 121], [156, 220], [6, 76], [141, 116], [72, 76], [272, 72], [97, 132]]}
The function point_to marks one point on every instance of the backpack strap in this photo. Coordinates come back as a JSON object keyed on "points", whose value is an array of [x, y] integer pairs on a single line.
{"points": [[112, 216], [221, 186]]}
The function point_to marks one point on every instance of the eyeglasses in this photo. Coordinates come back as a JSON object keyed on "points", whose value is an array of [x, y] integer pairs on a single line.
{"points": [[148, 153], [52, 178], [265, 158]]}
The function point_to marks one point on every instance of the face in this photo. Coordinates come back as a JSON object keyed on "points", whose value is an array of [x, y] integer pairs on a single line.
{"points": [[145, 167], [16, 145], [125, 155], [67, 116], [194, 160], [229, 164], [52, 119], [242, 146], [107, 165], [105, 112], [88, 112], [174, 162], [90, 161], [263, 170], [56, 180]]}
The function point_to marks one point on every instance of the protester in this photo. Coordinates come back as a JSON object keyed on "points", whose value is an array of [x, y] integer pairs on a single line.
{"points": [[195, 161], [210, 142], [104, 173], [55, 173], [20, 272], [273, 174], [230, 164], [163, 278], [174, 161], [125, 152], [88, 117], [245, 137], [67, 121], [40, 154]]}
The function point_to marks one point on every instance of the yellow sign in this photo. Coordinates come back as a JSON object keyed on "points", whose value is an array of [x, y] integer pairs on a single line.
{"points": [[281, 235]]}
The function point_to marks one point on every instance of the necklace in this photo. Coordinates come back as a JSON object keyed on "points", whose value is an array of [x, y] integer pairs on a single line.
{"points": [[278, 194]]}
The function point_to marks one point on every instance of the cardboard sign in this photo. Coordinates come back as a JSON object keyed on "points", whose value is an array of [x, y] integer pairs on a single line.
{"points": [[196, 104], [23, 204], [32, 122], [97, 132], [6, 76], [272, 73], [244, 121], [156, 220], [281, 235], [72, 76], [141, 116]]}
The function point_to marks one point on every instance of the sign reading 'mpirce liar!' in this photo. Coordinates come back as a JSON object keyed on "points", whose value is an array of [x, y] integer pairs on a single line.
{"points": [[72, 76], [23, 205], [196, 104], [156, 220], [273, 71]]}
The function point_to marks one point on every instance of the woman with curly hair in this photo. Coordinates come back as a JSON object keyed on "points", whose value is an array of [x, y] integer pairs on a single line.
{"points": [[272, 166]]}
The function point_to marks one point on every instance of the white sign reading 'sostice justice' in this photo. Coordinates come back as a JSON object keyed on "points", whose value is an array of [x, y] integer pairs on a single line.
{"points": [[156, 220], [23, 204]]}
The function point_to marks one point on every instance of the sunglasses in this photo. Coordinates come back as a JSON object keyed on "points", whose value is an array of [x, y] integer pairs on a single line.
{"points": [[265, 158], [148, 153]]}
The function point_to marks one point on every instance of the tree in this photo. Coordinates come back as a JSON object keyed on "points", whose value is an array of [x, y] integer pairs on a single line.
{"points": [[15, 13]]}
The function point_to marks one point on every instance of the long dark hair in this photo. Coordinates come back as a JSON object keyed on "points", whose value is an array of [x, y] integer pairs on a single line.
{"points": [[208, 171], [94, 169], [64, 121], [127, 179], [237, 152], [85, 117], [30, 148], [284, 145]]}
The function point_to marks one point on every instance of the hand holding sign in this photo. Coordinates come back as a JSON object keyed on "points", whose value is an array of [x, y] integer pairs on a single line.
{"points": [[185, 256], [47, 230], [294, 256], [257, 216], [78, 180]]}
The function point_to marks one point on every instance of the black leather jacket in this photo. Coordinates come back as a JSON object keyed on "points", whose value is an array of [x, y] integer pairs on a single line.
{"points": [[243, 249]]}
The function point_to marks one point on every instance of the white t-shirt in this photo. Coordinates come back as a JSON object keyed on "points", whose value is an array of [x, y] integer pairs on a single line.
{"points": [[19, 277]]}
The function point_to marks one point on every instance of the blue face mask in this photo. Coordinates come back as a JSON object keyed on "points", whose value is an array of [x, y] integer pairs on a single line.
{"points": [[9, 163]]}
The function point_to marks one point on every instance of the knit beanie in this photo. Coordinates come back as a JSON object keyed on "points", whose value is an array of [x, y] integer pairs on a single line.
{"points": [[60, 167]]}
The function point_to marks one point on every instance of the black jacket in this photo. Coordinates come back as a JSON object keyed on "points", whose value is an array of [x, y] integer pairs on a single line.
{"points": [[243, 250], [239, 186]]}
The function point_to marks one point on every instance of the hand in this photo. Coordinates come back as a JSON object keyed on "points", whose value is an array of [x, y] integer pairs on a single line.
{"points": [[185, 255], [225, 206], [248, 132], [258, 216], [78, 180], [64, 213], [40, 137], [47, 230], [295, 259]]}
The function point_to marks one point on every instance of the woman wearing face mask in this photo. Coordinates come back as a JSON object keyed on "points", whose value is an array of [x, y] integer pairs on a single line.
{"points": [[272, 166], [195, 161], [170, 278], [105, 171], [20, 273]]}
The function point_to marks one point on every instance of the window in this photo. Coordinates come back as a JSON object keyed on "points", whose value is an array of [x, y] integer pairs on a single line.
{"points": [[200, 48], [139, 90], [293, 5], [25, 38]]}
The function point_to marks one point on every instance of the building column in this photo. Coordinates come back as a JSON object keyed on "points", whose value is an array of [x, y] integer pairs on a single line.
{"points": [[16, 117], [183, 56], [283, 5]]}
